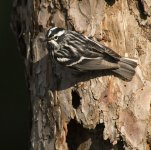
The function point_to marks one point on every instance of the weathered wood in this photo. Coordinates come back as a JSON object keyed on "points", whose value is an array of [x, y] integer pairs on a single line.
{"points": [[94, 110]]}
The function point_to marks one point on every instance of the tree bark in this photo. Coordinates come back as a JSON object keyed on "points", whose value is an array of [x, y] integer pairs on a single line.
{"points": [[95, 110]]}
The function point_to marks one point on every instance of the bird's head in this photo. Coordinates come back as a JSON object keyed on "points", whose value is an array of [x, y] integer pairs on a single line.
{"points": [[54, 35]]}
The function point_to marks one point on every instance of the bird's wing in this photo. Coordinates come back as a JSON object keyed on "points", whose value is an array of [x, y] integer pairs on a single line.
{"points": [[100, 48], [95, 64], [66, 57], [96, 57], [84, 54], [90, 48]]}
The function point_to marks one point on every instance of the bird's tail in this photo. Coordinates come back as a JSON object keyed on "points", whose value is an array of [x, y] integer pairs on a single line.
{"points": [[127, 68]]}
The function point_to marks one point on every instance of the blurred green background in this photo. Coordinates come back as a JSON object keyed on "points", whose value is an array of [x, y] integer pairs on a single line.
{"points": [[14, 100]]}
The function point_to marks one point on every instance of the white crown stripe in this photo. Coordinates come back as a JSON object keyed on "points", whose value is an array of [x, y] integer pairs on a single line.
{"points": [[60, 33], [50, 31]]}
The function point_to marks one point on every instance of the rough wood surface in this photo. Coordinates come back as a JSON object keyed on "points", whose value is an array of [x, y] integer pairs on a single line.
{"points": [[93, 110]]}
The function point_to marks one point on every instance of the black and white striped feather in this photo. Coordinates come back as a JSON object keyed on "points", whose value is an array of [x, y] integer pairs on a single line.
{"points": [[72, 49]]}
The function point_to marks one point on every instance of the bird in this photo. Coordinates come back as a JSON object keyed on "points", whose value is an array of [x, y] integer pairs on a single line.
{"points": [[74, 50]]}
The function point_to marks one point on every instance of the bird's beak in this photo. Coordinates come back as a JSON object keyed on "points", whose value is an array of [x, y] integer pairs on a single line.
{"points": [[47, 40]]}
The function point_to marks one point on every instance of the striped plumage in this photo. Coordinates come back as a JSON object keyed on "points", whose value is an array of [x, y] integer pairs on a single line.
{"points": [[72, 49]]}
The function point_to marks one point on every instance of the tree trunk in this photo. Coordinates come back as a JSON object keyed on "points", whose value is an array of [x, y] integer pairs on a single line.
{"points": [[95, 110]]}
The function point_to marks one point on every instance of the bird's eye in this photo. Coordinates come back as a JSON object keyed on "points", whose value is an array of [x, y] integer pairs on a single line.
{"points": [[56, 38]]}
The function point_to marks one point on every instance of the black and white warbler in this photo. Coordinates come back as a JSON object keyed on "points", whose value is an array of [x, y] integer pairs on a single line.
{"points": [[72, 49]]}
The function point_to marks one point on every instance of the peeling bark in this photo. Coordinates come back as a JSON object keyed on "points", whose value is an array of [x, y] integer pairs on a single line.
{"points": [[94, 110]]}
